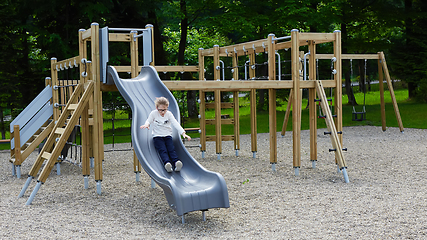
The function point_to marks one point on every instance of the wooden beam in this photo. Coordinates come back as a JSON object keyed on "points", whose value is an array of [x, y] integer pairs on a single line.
{"points": [[390, 88], [312, 103], [119, 37], [161, 68], [236, 121], [381, 86], [349, 56], [272, 119], [87, 34], [241, 48], [202, 103], [222, 121], [296, 134], [223, 105], [254, 131], [177, 68], [97, 104], [223, 138], [316, 37], [66, 63], [17, 147], [287, 113], [210, 86], [338, 88]]}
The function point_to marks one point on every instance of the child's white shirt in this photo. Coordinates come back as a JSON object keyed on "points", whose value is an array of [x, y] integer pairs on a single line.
{"points": [[162, 126]]}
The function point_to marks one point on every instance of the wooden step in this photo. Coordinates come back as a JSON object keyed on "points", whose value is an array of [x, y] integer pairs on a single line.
{"points": [[46, 155], [60, 131], [72, 107]]}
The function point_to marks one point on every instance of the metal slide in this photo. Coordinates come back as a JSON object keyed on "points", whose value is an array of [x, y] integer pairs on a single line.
{"points": [[193, 188]]}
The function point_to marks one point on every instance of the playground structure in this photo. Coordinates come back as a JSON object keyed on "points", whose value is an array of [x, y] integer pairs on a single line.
{"points": [[80, 103]]}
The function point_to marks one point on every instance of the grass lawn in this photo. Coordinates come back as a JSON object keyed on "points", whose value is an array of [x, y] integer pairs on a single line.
{"points": [[413, 116]]}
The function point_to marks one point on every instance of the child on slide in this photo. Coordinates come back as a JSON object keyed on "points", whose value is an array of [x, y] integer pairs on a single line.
{"points": [[161, 121]]}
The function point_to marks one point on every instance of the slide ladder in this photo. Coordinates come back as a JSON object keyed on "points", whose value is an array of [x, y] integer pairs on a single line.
{"points": [[58, 137], [30, 128], [336, 144]]}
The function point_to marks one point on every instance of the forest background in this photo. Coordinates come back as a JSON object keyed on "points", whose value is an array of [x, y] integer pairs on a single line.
{"points": [[32, 32]]}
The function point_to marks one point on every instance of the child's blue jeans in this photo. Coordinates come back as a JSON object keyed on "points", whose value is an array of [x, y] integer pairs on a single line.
{"points": [[164, 145]]}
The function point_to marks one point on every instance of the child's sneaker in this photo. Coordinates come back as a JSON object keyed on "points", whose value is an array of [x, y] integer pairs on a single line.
{"points": [[168, 167], [178, 166]]}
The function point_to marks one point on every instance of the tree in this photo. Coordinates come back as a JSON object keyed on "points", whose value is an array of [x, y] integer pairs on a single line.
{"points": [[408, 55]]}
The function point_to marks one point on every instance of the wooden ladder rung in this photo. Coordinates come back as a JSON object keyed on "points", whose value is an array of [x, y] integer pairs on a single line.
{"points": [[60, 131], [46, 155], [72, 107]]}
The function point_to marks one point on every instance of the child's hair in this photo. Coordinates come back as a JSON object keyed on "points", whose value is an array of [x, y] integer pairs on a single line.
{"points": [[161, 101]]}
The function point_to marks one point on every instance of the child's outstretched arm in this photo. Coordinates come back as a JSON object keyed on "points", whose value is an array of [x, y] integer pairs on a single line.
{"points": [[146, 125], [186, 136]]}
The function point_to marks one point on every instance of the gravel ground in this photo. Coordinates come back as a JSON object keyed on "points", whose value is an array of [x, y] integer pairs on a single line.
{"points": [[385, 199]]}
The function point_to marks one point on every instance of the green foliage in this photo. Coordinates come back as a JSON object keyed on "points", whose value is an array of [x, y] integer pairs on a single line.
{"points": [[196, 38]]}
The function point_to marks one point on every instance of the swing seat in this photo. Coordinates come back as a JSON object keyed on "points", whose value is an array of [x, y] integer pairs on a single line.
{"points": [[359, 116]]}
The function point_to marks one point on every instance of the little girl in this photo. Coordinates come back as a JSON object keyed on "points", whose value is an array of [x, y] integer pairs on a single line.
{"points": [[161, 121]]}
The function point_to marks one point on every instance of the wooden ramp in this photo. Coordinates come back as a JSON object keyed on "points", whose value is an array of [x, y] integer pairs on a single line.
{"points": [[58, 137], [336, 144]]}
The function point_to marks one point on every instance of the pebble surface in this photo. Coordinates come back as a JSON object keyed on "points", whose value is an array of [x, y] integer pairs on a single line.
{"points": [[386, 197]]}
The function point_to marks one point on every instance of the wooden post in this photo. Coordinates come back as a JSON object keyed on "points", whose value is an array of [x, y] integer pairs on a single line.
{"points": [[97, 103], [55, 96], [134, 73], [338, 88], [48, 81], [251, 63], [85, 129], [301, 78], [218, 139], [236, 105], [381, 85], [202, 106], [296, 99], [390, 88], [236, 121], [217, 94], [312, 103], [17, 137], [85, 141], [254, 131], [82, 54], [272, 99]]}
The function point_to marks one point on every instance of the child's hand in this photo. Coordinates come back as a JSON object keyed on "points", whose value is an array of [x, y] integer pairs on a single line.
{"points": [[186, 136], [145, 126]]}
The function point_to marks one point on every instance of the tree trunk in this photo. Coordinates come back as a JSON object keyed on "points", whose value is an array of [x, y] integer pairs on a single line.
{"points": [[262, 93], [191, 95], [409, 34], [2, 128], [348, 88]]}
